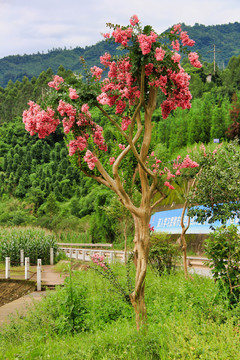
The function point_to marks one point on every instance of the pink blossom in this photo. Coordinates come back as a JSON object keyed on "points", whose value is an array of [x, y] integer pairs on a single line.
{"points": [[105, 59], [175, 45], [65, 108], [111, 160], [90, 159], [99, 139], [151, 228], [186, 41], [39, 121], [168, 185], [80, 143], [57, 80], [178, 172], [99, 260], [188, 163], [73, 94], [159, 54], [126, 121], [122, 36], [68, 124], [176, 29], [148, 69], [145, 42], [122, 147], [106, 35], [176, 57], [193, 58], [134, 20], [96, 72]]}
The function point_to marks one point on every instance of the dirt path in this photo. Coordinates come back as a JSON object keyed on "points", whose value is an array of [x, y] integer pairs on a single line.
{"points": [[9, 291]]}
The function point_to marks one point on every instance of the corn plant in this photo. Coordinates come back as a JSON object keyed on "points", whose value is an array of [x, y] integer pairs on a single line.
{"points": [[35, 243]]}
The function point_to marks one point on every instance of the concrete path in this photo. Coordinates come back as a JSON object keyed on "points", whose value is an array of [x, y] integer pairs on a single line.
{"points": [[21, 305]]}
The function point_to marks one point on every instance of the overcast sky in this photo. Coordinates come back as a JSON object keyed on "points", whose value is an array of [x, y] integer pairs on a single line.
{"points": [[29, 26]]}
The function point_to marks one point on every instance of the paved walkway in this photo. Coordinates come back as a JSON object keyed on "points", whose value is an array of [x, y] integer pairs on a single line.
{"points": [[21, 305]]}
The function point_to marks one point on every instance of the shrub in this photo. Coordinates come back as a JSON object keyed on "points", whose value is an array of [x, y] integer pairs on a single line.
{"points": [[163, 254], [35, 242], [223, 248]]}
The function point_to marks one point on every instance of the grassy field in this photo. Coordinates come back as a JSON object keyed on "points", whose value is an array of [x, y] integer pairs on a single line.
{"points": [[87, 319]]}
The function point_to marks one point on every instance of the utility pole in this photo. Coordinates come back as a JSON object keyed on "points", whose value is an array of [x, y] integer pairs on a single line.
{"points": [[214, 57]]}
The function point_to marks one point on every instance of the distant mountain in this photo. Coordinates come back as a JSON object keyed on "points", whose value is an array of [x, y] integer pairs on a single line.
{"points": [[225, 38]]}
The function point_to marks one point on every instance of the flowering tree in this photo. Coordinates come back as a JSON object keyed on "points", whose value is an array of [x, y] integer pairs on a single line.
{"points": [[126, 97]]}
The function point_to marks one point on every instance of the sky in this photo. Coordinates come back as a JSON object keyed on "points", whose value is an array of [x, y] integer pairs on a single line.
{"points": [[31, 26]]}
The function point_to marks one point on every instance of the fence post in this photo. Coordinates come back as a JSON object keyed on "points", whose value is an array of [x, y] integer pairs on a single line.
{"points": [[7, 268], [27, 275], [77, 254], [111, 257], [51, 256], [22, 257], [70, 253], [39, 278], [83, 254]]}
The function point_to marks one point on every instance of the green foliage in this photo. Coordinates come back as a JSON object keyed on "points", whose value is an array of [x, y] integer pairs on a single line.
{"points": [[218, 186], [186, 320], [105, 270], [223, 248], [36, 244], [163, 254]]}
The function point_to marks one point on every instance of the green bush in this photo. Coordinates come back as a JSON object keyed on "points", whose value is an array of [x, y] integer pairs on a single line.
{"points": [[223, 248], [35, 242], [164, 253]]}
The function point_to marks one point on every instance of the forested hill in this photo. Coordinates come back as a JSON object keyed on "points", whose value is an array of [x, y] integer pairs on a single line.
{"points": [[225, 37]]}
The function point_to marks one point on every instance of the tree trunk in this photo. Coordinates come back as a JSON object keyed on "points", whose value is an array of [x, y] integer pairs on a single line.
{"points": [[141, 251], [183, 240]]}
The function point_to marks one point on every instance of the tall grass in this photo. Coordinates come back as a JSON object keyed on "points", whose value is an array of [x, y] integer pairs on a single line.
{"points": [[186, 320]]}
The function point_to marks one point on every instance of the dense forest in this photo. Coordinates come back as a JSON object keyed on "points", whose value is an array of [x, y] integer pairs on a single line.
{"points": [[225, 38], [40, 186]]}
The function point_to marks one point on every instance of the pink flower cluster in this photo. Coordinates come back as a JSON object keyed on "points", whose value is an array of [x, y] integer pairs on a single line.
{"points": [[73, 94], [98, 137], [80, 143], [39, 121], [126, 121], [121, 146], [99, 260], [175, 45], [122, 36], [96, 72], [180, 95], [186, 163], [105, 59], [176, 29], [90, 159], [111, 160], [70, 111], [151, 228], [193, 58], [186, 41], [118, 88], [169, 185], [155, 164], [134, 20], [57, 80], [145, 42], [159, 54]]}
